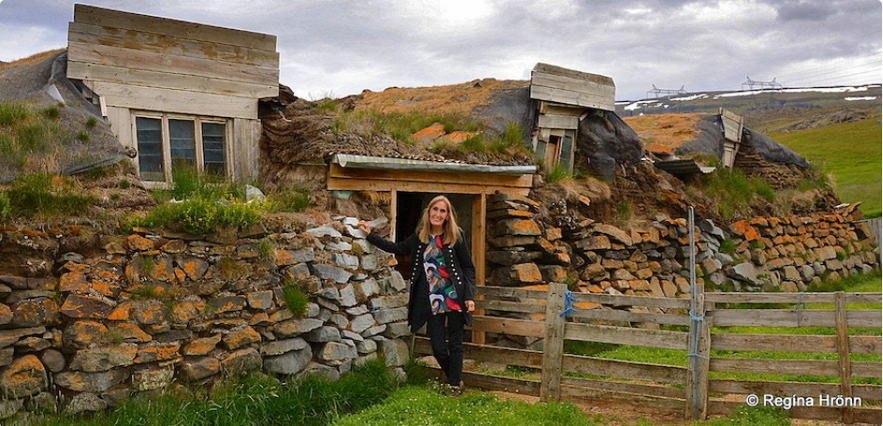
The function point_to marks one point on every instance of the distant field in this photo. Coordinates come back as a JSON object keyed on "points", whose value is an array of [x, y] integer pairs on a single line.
{"points": [[851, 153]]}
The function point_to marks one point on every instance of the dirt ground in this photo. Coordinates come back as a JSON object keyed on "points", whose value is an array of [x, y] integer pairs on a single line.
{"points": [[621, 414]]}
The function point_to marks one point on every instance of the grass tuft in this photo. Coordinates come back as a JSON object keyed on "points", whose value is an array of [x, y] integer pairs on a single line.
{"points": [[736, 192], [295, 298]]}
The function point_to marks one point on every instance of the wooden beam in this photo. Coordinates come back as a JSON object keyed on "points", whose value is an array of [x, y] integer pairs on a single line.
{"points": [[393, 213], [795, 298], [650, 302], [791, 318], [626, 336], [758, 387], [479, 250], [182, 29], [587, 100], [191, 83], [558, 121], [436, 177], [625, 369], [773, 343], [175, 101], [410, 186], [626, 316], [496, 291], [510, 326], [767, 366]]}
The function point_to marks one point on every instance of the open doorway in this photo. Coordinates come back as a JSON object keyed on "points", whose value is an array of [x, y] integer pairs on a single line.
{"points": [[409, 207]]}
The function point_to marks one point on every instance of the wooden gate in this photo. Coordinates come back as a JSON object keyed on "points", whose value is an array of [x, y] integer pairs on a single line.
{"points": [[839, 331]]}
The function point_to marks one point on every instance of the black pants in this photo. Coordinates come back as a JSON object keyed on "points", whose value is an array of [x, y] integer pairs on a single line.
{"points": [[447, 349]]}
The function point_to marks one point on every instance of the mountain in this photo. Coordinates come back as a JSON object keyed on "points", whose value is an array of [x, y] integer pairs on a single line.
{"points": [[749, 101]]}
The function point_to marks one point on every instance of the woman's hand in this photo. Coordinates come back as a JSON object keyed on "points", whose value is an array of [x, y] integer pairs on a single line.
{"points": [[364, 227], [470, 305]]}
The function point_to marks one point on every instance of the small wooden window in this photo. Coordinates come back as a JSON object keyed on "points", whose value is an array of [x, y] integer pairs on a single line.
{"points": [[213, 148], [150, 149]]}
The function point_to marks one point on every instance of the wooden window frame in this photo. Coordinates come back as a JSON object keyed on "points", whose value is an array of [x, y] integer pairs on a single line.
{"points": [[199, 157]]}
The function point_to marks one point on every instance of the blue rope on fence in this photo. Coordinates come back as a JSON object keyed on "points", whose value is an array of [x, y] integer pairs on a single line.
{"points": [[800, 306], [568, 304], [695, 349]]}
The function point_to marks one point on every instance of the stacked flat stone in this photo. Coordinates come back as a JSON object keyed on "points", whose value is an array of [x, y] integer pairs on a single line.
{"points": [[136, 313]]}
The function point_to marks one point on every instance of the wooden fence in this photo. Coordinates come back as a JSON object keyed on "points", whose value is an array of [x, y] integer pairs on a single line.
{"points": [[712, 353]]}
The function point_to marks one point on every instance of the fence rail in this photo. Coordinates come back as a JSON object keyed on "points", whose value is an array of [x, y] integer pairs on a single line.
{"points": [[705, 386]]}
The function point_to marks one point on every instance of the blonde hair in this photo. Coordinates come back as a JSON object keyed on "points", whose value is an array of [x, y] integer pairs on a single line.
{"points": [[450, 228]]}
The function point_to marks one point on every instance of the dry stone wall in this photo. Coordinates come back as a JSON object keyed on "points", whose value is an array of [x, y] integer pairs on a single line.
{"points": [[136, 313], [772, 254]]}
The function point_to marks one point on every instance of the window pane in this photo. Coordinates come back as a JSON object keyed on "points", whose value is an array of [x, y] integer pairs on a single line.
{"points": [[213, 148], [183, 142], [150, 155]]}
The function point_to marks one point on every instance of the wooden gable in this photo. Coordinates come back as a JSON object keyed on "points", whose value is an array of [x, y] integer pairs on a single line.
{"points": [[568, 87], [144, 62]]}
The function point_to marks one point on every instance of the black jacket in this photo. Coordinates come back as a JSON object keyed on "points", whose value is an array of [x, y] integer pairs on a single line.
{"points": [[458, 260]]}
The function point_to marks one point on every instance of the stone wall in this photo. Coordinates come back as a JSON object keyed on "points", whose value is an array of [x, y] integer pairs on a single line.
{"points": [[82, 329], [778, 254]]}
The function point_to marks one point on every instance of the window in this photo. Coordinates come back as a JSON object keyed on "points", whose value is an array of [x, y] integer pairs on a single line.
{"points": [[165, 140]]}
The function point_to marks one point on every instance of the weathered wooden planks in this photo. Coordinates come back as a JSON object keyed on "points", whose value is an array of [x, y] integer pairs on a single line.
{"points": [[191, 83], [514, 327], [745, 387], [625, 316], [563, 86], [148, 63], [172, 65], [350, 179], [729, 297], [171, 45], [626, 336], [168, 100], [650, 302], [791, 318], [625, 369], [181, 29]]}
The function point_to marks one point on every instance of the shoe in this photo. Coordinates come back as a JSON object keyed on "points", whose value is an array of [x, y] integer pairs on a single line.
{"points": [[456, 391]]}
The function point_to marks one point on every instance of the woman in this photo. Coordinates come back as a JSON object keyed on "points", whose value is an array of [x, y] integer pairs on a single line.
{"points": [[442, 283]]}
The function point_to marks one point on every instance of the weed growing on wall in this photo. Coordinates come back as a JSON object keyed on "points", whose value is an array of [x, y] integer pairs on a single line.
{"points": [[295, 298]]}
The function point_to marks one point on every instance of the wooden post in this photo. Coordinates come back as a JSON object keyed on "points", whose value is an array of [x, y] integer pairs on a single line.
{"points": [[553, 345], [393, 209], [479, 250], [699, 342], [843, 353], [697, 379]]}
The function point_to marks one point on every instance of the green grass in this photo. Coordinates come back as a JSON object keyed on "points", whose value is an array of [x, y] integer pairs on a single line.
{"points": [[288, 200], [254, 399], [422, 405], [30, 138], [400, 125], [295, 298], [735, 193], [850, 152], [863, 283], [42, 195], [202, 202]]}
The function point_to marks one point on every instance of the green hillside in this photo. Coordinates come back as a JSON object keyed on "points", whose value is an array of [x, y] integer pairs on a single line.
{"points": [[850, 153]]}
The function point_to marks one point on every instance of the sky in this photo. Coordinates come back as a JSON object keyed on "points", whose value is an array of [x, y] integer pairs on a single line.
{"points": [[336, 48]]}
